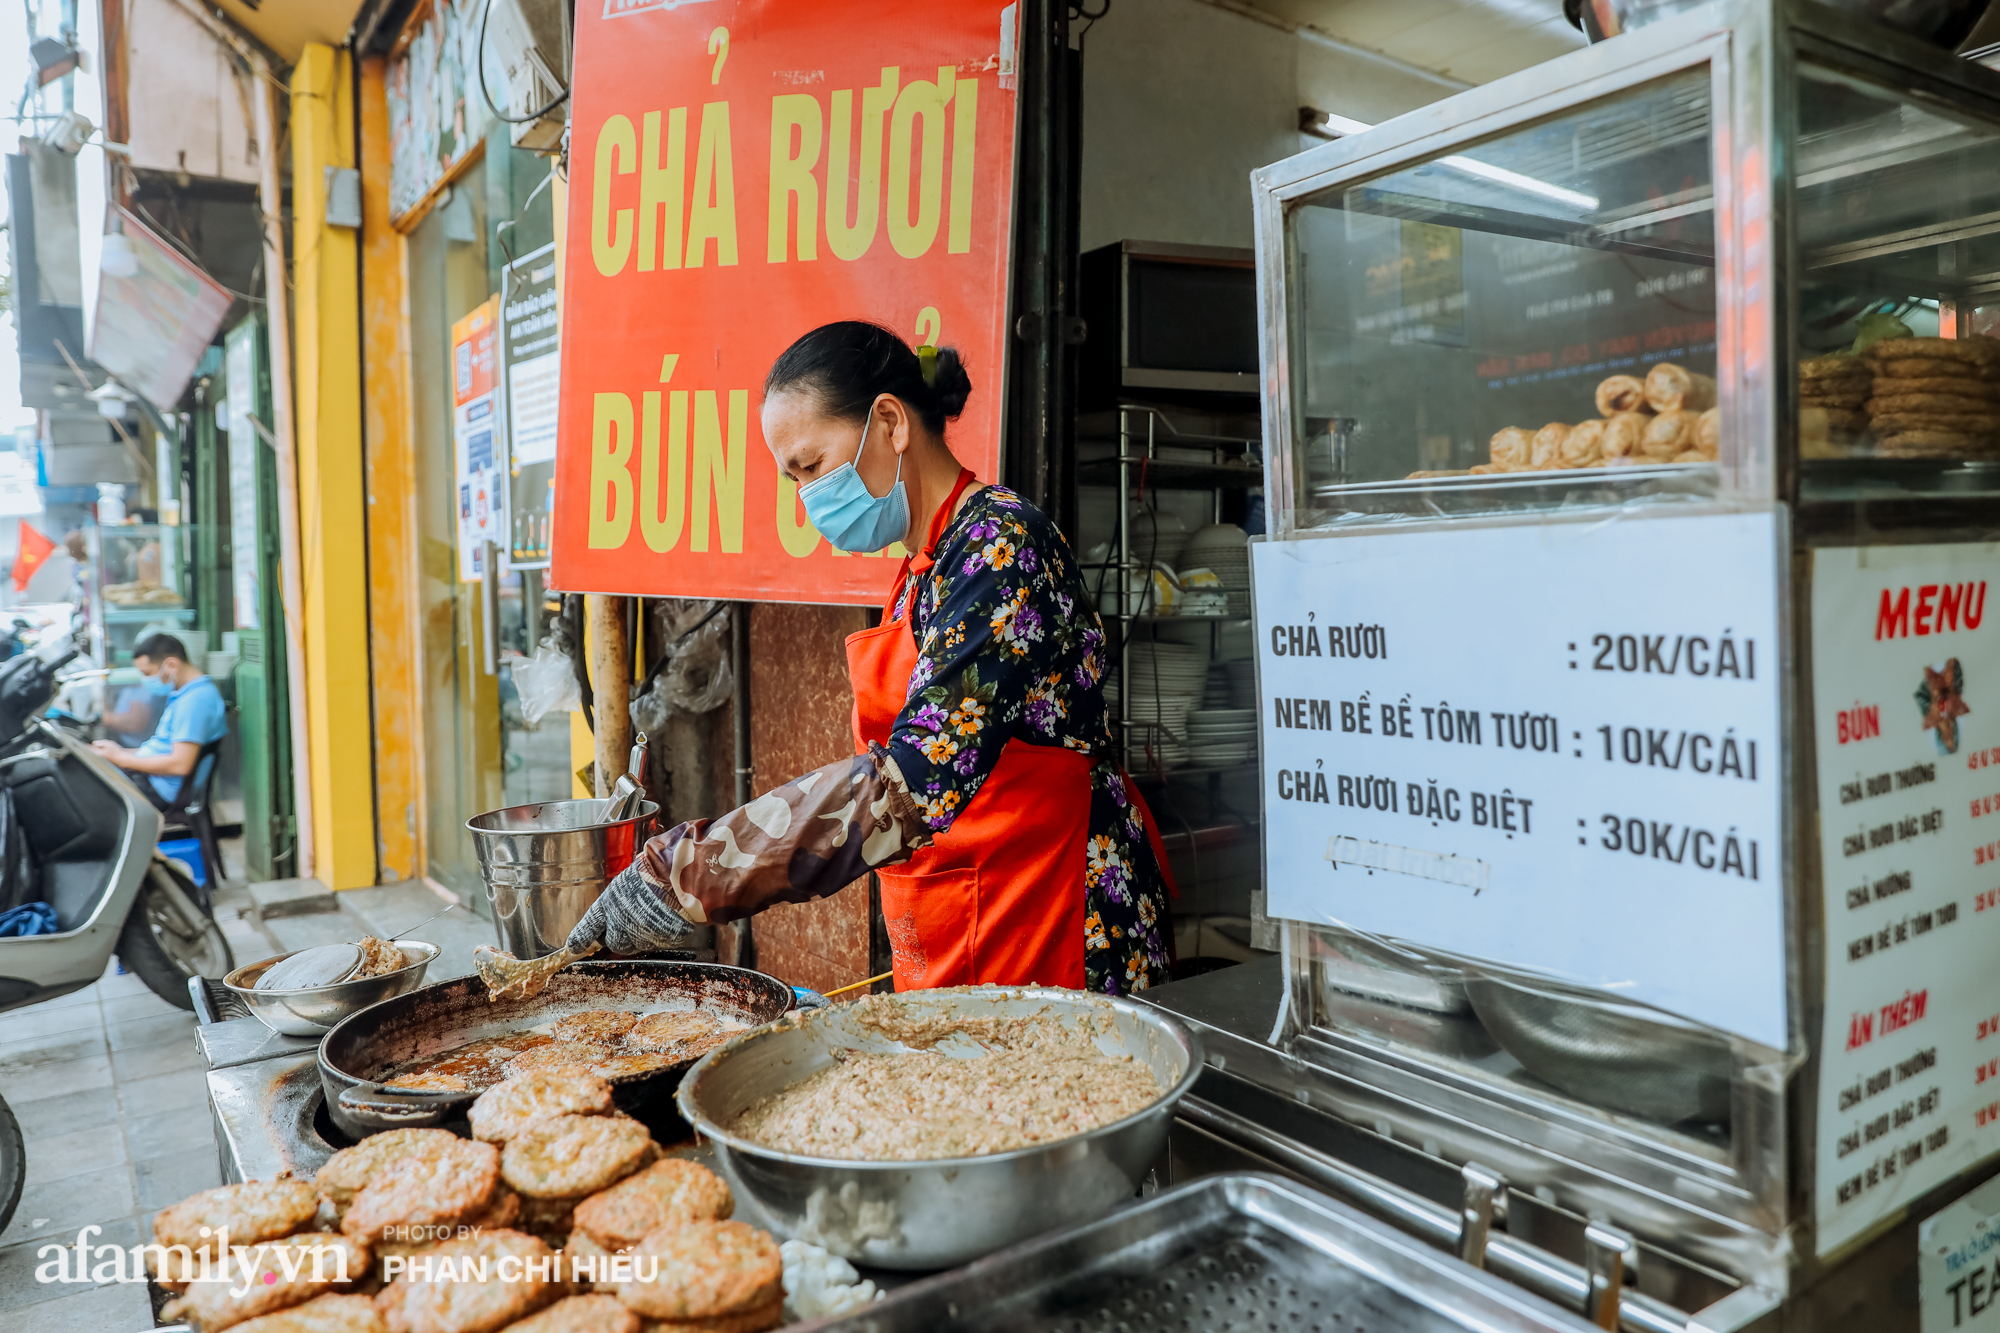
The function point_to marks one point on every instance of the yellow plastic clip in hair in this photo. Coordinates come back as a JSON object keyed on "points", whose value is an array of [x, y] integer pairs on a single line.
{"points": [[927, 358]]}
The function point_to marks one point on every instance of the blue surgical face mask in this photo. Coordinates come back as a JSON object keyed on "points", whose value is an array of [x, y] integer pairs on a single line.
{"points": [[846, 514], [157, 687]]}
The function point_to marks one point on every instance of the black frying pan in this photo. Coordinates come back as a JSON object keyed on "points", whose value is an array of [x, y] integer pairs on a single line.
{"points": [[366, 1047]]}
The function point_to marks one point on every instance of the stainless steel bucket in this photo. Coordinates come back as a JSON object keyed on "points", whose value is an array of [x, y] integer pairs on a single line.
{"points": [[545, 864]]}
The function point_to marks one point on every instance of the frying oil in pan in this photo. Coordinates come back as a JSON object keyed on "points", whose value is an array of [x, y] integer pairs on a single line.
{"points": [[480, 1064]]}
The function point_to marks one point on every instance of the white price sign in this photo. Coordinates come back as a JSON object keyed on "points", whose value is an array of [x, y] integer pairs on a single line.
{"points": [[1554, 747], [1906, 718]]}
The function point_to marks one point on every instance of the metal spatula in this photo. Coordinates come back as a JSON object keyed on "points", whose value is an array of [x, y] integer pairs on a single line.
{"points": [[511, 978]]}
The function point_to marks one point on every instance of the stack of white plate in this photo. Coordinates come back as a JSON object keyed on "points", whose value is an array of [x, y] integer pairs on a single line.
{"points": [[1242, 683], [1166, 680], [1159, 738], [1220, 737], [1157, 669], [1157, 538]]}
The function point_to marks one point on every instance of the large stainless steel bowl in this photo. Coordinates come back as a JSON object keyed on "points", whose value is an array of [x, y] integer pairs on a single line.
{"points": [[1943, 23], [937, 1213], [1611, 1054], [311, 1011]]}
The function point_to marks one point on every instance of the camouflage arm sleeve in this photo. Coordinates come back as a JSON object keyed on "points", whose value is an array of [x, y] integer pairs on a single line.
{"points": [[808, 838]]}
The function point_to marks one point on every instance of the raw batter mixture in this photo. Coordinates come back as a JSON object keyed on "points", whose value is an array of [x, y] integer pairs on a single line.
{"points": [[1039, 1081]]}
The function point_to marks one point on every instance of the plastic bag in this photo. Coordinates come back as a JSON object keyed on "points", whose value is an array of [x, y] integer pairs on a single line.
{"points": [[545, 682], [698, 680], [695, 677]]}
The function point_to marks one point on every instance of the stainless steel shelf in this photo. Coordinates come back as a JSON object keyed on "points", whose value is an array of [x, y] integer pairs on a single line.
{"points": [[1173, 620], [1170, 475], [1171, 774]]}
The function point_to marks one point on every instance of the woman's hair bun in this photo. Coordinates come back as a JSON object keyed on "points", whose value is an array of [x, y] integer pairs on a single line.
{"points": [[950, 383], [848, 365]]}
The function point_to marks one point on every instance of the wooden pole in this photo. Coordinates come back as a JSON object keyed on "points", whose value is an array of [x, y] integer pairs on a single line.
{"points": [[611, 682]]}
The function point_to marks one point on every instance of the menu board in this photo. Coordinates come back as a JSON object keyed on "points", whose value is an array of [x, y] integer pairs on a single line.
{"points": [[1906, 721], [1550, 746]]}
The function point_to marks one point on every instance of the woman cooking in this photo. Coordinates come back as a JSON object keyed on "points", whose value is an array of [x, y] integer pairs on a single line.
{"points": [[1010, 847]]}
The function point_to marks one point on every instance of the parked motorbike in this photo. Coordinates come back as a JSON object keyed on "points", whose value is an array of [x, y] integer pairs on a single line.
{"points": [[77, 834]]}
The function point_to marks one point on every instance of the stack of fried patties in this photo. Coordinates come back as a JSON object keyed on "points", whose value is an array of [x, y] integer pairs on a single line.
{"points": [[273, 1221], [592, 1184], [1935, 397], [428, 1191], [713, 1275], [1833, 393]]}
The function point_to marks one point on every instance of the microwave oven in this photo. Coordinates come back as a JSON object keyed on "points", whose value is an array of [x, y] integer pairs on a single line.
{"points": [[1166, 320]]}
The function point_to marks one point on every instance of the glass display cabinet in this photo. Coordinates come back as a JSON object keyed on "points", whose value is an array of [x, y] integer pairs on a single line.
{"points": [[1628, 700], [138, 583]]}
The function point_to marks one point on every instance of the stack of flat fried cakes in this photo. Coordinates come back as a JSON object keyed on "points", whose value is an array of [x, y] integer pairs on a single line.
{"points": [[1935, 397], [1833, 392]]}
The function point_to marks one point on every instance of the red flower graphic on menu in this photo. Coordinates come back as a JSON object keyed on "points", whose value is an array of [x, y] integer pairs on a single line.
{"points": [[1942, 699]]}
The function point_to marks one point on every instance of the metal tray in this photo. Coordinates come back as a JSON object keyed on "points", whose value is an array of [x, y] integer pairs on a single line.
{"points": [[1229, 1252]]}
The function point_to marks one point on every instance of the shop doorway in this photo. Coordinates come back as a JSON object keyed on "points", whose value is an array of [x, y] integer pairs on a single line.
{"points": [[460, 709]]}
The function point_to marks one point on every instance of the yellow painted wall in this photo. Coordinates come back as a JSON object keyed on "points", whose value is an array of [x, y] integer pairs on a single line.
{"points": [[332, 511], [389, 473]]}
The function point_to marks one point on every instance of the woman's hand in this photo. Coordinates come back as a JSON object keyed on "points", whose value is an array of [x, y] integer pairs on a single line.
{"points": [[631, 916]]}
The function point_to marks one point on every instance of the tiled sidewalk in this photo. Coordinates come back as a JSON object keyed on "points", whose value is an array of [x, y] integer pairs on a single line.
{"points": [[108, 1088], [110, 1093]]}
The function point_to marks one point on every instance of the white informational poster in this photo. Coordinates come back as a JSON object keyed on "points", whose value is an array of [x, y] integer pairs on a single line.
{"points": [[1550, 746], [478, 438], [531, 393], [1906, 720], [1958, 1265], [530, 327]]}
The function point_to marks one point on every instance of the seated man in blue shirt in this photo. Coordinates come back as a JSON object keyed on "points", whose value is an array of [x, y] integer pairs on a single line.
{"points": [[195, 716]]}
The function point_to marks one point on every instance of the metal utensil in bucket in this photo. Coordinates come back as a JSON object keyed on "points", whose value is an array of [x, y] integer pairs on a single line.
{"points": [[545, 864]]}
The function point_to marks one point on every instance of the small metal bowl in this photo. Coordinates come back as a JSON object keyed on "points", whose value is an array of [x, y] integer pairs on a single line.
{"points": [[311, 1011], [938, 1212]]}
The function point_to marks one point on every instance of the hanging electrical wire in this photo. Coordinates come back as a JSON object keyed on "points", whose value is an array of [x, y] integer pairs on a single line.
{"points": [[1089, 17]]}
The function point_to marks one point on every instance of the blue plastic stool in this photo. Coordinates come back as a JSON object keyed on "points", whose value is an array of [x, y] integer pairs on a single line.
{"points": [[188, 852]]}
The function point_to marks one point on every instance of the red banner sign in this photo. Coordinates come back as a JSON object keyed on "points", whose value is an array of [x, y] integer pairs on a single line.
{"points": [[742, 171]]}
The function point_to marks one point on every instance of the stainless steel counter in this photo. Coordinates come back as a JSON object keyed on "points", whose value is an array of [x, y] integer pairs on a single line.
{"points": [[1260, 1107]]}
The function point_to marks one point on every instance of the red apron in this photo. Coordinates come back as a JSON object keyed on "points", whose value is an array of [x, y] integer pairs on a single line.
{"points": [[999, 896]]}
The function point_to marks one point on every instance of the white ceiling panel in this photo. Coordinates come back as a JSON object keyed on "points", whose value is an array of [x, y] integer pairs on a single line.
{"points": [[1473, 40]]}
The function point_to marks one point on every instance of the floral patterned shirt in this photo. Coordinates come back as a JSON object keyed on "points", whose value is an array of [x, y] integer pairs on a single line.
{"points": [[1007, 648]]}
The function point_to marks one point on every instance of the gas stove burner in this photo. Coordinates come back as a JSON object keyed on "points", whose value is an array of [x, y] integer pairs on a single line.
{"points": [[322, 1125]]}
